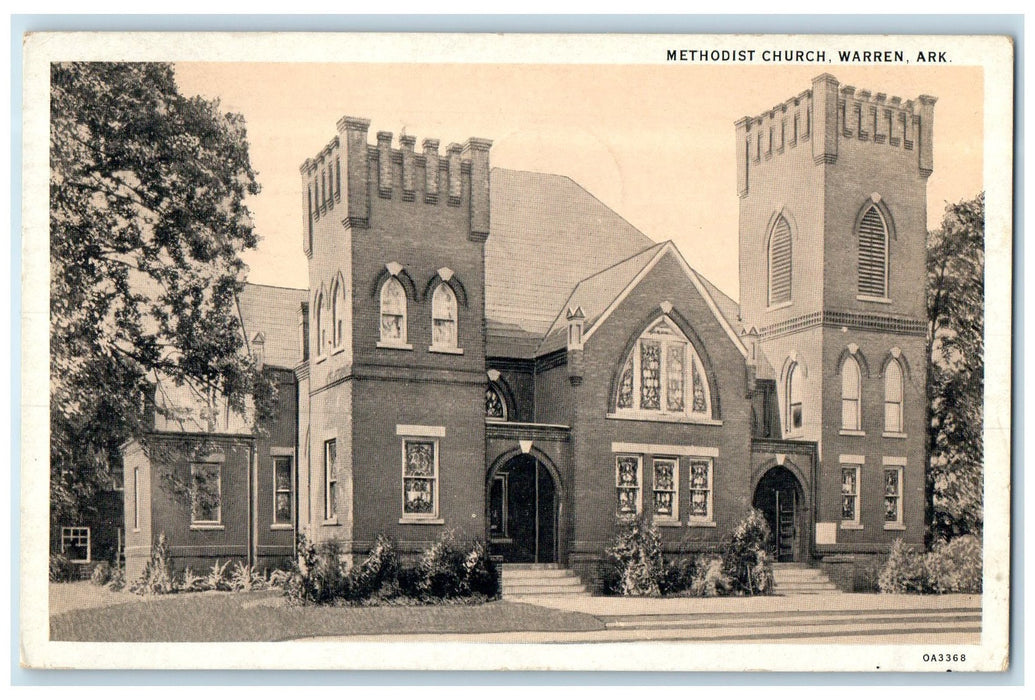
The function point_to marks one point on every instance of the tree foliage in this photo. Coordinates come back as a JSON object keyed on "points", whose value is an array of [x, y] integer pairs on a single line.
{"points": [[147, 223], [955, 370]]}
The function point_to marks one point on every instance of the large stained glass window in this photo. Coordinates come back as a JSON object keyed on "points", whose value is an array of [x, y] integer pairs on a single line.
{"points": [[627, 484], [282, 490], [420, 478], [666, 489], [393, 312], [658, 375], [700, 490]]}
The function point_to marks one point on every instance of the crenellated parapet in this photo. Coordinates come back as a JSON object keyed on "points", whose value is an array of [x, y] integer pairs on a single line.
{"points": [[826, 117], [349, 170]]}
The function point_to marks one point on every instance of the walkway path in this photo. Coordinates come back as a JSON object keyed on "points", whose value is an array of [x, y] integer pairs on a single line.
{"points": [[837, 619]]}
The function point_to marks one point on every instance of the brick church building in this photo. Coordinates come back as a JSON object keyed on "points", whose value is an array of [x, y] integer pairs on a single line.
{"points": [[499, 353]]}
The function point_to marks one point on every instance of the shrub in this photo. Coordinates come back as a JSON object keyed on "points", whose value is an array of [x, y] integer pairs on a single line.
{"points": [[157, 577], [678, 577], [216, 580], [481, 574], [378, 575], [635, 560], [243, 578], [61, 569], [192, 582], [904, 571], [440, 571], [745, 561], [101, 574], [300, 584], [955, 566], [709, 580], [117, 580]]}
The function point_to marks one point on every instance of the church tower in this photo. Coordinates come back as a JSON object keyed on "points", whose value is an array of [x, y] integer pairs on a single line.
{"points": [[833, 201], [391, 407]]}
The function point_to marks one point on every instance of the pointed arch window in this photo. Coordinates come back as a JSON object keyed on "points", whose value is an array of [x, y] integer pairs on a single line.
{"points": [[495, 404], [780, 263], [851, 395], [893, 397], [873, 254], [393, 313], [663, 376], [795, 390], [338, 314], [443, 318], [320, 318]]}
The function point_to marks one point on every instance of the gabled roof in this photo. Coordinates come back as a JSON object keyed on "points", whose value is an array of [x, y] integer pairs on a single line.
{"points": [[546, 234], [600, 294], [273, 312]]}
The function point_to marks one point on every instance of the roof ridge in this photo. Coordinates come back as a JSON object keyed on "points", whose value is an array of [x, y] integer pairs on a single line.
{"points": [[620, 262], [275, 286]]}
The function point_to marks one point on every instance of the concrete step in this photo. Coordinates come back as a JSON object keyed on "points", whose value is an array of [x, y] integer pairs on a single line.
{"points": [[533, 574], [799, 579], [532, 580], [574, 588], [529, 567]]}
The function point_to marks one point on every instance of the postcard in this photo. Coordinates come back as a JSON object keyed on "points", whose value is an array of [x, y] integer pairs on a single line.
{"points": [[524, 352]]}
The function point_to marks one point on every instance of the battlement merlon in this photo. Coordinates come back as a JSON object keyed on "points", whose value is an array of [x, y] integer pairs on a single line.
{"points": [[830, 114]]}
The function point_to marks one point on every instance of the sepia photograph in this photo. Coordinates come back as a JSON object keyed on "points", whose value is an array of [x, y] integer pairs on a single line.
{"points": [[517, 352]]}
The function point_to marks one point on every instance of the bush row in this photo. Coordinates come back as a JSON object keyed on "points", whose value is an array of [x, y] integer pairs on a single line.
{"points": [[951, 567], [636, 565], [450, 569]]}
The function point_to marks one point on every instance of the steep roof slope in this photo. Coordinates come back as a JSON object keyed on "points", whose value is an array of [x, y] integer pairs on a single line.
{"points": [[274, 312], [546, 234]]}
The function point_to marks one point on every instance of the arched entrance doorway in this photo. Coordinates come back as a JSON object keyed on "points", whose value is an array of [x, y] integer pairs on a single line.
{"points": [[780, 497], [522, 511]]}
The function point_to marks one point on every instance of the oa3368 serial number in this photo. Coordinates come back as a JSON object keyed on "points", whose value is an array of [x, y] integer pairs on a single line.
{"points": [[936, 658]]}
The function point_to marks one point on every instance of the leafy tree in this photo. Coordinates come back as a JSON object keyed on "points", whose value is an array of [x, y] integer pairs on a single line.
{"points": [[955, 371], [147, 223]]}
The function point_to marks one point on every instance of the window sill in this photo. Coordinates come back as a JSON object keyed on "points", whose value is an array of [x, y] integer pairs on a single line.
{"points": [[668, 523], [894, 526], [662, 418], [895, 436], [394, 346], [852, 433], [282, 526], [781, 305], [446, 350], [330, 522], [319, 359], [851, 526], [207, 526], [701, 523], [421, 521], [501, 540], [338, 350], [136, 529], [875, 300]]}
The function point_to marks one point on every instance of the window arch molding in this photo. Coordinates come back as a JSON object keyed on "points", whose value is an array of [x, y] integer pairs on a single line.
{"points": [[459, 291], [698, 347], [858, 356], [398, 272], [783, 214], [896, 355]]}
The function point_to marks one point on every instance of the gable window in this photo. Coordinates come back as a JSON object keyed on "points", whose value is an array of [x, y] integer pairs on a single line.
{"points": [[393, 313], [627, 485], [206, 493], [330, 479], [850, 395], [893, 397], [420, 478], [701, 490], [795, 419], [283, 491], [873, 254], [666, 489], [495, 405], [443, 318], [663, 376], [780, 263]]}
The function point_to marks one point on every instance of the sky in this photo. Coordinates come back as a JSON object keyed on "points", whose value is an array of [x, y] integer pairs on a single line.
{"points": [[653, 142]]}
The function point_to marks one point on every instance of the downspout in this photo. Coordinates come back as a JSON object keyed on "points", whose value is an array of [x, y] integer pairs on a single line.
{"points": [[253, 517]]}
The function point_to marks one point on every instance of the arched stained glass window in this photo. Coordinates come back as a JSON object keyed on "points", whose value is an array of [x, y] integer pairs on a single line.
{"points": [[850, 395], [780, 262], [444, 317], [495, 405], [663, 375], [873, 254], [893, 397], [393, 312], [795, 419]]}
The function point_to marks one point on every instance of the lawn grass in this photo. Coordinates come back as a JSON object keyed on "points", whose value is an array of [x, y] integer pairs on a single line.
{"points": [[261, 617]]}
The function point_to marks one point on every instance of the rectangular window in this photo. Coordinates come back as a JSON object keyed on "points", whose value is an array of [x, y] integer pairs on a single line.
{"points": [[420, 478], [283, 491], [892, 496], [206, 493], [627, 485], [498, 507], [136, 498], [666, 489], [700, 490], [849, 495], [75, 543], [330, 479]]}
